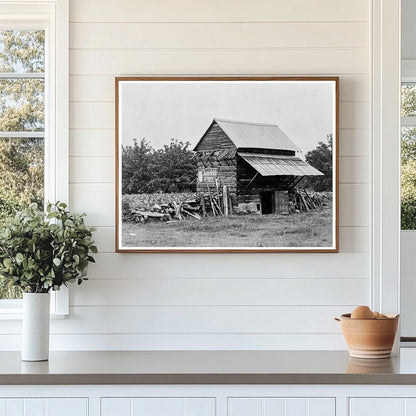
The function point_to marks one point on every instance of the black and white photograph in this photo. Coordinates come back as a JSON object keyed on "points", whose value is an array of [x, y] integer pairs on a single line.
{"points": [[226, 164]]}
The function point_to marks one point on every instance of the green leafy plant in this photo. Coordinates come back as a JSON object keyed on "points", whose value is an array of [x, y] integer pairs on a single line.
{"points": [[43, 251]]}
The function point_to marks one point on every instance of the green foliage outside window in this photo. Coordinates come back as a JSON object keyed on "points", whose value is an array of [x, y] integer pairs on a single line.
{"points": [[408, 160], [408, 105], [408, 179], [21, 110]]}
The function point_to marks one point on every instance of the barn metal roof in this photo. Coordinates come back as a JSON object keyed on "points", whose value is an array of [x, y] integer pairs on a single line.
{"points": [[277, 165], [256, 135]]}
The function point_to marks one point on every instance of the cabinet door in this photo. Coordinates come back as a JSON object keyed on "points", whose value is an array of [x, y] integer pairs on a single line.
{"points": [[160, 406], [281, 406], [44, 407], [380, 406]]}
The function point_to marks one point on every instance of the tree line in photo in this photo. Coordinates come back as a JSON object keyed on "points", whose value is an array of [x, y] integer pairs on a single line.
{"points": [[146, 170], [174, 167]]}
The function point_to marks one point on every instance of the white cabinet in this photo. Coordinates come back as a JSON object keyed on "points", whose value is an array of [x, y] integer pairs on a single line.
{"points": [[44, 407], [281, 406], [159, 406], [382, 406], [208, 400]]}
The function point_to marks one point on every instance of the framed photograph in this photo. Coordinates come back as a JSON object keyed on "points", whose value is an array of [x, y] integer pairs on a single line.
{"points": [[227, 164]]}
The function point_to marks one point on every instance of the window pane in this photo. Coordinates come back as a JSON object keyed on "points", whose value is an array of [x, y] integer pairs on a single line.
{"points": [[22, 105], [408, 178], [408, 144], [9, 292], [21, 183], [408, 99], [22, 51], [22, 108], [21, 173]]}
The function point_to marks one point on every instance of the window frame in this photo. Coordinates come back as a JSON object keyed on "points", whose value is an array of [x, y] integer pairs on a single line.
{"points": [[408, 76], [53, 17]]}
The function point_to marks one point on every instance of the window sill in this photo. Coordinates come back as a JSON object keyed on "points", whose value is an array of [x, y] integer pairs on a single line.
{"points": [[17, 316], [11, 309]]}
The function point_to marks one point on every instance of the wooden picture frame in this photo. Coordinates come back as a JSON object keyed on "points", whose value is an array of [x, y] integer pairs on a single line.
{"points": [[214, 164]]}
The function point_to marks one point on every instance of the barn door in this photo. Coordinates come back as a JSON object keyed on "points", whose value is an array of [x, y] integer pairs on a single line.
{"points": [[267, 203], [282, 202]]}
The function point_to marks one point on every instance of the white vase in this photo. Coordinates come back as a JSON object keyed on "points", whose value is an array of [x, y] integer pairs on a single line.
{"points": [[35, 326]]}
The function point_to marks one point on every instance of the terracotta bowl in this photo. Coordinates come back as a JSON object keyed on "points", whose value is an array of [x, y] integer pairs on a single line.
{"points": [[369, 366], [369, 338]]}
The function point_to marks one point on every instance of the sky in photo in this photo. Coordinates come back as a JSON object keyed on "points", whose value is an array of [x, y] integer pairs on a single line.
{"points": [[183, 110]]}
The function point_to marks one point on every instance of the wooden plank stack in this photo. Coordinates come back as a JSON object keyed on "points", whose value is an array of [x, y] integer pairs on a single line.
{"points": [[302, 201]]}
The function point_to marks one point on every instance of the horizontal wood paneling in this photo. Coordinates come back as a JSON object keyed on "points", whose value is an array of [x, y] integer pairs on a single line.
{"points": [[92, 143], [354, 142], [92, 169], [98, 88], [354, 115], [92, 115], [96, 199], [200, 319], [354, 239], [218, 291], [354, 169], [95, 88], [284, 265], [236, 61], [194, 319], [192, 341], [105, 239], [218, 35], [354, 206], [219, 11], [353, 88]]}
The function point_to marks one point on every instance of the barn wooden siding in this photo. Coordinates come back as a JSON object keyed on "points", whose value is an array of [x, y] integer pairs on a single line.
{"points": [[248, 190], [213, 139], [225, 301], [226, 173]]}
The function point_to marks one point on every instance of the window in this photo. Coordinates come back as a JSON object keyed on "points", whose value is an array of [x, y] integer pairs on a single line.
{"points": [[33, 113], [408, 152], [22, 124]]}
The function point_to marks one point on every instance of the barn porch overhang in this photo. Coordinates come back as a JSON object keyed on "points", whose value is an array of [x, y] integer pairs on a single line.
{"points": [[279, 165]]}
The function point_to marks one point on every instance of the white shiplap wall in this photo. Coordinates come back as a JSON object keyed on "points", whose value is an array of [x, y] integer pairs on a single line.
{"points": [[214, 301]]}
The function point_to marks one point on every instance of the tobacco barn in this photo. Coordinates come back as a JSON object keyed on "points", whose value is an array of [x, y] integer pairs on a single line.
{"points": [[256, 164]]}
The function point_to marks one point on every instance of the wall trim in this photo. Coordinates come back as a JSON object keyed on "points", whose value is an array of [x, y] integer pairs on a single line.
{"points": [[385, 115]]}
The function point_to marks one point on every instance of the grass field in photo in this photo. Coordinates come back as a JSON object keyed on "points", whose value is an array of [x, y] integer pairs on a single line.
{"points": [[305, 229]]}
